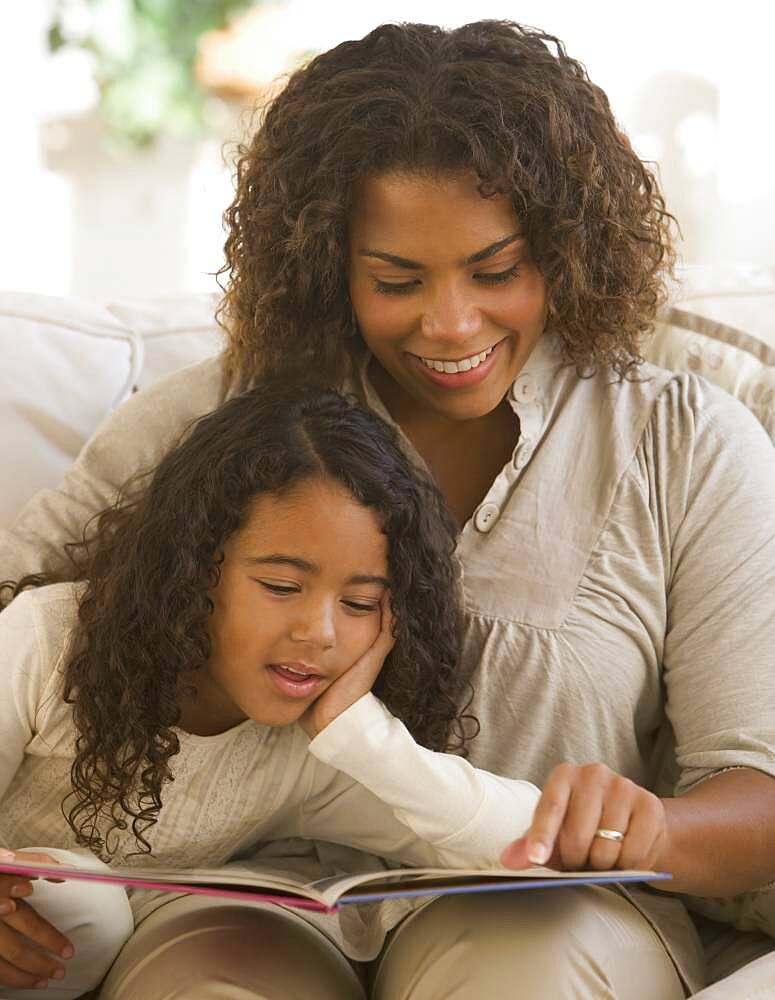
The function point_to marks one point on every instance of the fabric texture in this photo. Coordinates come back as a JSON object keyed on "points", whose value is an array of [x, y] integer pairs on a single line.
{"points": [[608, 572]]}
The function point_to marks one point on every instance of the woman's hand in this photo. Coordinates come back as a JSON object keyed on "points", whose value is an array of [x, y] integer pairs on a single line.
{"points": [[355, 682], [577, 803], [22, 965]]}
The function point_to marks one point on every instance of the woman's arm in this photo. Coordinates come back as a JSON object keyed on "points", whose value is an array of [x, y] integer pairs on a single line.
{"points": [[718, 839], [714, 490], [721, 835], [131, 439]]}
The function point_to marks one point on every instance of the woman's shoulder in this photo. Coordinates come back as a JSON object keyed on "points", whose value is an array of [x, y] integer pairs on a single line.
{"points": [[140, 432], [179, 397], [691, 409]]}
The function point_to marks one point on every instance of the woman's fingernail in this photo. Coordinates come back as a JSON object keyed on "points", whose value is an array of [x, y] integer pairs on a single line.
{"points": [[538, 853], [6, 855], [21, 890], [68, 951], [6, 907], [59, 974], [41, 984]]}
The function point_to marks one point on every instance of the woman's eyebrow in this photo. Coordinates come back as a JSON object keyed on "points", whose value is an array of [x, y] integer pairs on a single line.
{"points": [[413, 265], [381, 581]]}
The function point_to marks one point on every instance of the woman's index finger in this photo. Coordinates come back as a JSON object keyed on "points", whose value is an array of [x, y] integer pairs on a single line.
{"points": [[549, 815]]}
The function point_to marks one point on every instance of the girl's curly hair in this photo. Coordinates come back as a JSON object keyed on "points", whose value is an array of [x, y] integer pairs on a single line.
{"points": [[151, 560], [494, 97]]}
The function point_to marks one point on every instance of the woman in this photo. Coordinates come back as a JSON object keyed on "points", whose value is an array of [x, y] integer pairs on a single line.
{"points": [[451, 224]]}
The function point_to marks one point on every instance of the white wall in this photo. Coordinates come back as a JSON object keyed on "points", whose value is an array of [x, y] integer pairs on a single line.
{"points": [[690, 83]]}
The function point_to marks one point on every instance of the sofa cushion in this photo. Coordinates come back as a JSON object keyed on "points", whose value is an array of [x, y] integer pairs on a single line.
{"points": [[177, 330], [65, 364], [735, 360], [739, 296]]}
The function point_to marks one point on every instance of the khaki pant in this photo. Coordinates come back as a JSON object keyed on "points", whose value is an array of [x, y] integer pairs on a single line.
{"points": [[584, 942]]}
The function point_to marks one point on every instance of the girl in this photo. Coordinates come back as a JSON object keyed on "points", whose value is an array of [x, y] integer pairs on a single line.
{"points": [[270, 566]]}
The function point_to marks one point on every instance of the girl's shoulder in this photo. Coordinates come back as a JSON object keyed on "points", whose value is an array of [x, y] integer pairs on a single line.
{"points": [[40, 621], [35, 632]]}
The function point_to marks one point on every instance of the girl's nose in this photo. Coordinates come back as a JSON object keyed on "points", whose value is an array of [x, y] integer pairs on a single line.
{"points": [[315, 626]]}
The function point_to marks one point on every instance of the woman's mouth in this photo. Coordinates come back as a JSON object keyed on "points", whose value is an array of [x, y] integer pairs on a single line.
{"points": [[457, 373], [294, 680]]}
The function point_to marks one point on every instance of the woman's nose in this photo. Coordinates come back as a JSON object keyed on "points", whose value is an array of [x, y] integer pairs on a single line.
{"points": [[451, 317]]}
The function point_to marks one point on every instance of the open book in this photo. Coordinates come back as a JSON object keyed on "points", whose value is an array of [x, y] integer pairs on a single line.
{"points": [[239, 881]]}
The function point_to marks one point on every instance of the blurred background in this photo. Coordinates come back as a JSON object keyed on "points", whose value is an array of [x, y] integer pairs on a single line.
{"points": [[119, 120]]}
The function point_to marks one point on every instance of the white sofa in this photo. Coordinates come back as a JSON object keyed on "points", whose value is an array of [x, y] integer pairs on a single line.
{"points": [[66, 362]]}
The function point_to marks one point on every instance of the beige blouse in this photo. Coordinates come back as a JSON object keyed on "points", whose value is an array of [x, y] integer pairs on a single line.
{"points": [[619, 575]]}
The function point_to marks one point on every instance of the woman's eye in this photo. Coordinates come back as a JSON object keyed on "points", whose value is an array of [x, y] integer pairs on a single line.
{"points": [[278, 588], [394, 288], [363, 607], [498, 277]]}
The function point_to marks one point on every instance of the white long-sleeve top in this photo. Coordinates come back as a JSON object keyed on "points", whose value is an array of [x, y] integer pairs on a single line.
{"points": [[362, 783]]}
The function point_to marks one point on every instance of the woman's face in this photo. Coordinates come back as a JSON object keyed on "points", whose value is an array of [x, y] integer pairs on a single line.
{"points": [[444, 290], [297, 603]]}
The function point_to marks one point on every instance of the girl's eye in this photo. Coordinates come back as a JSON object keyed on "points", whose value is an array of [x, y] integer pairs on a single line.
{"points": [[362, 606], [498, 277], [393, 288], [278, 588]]}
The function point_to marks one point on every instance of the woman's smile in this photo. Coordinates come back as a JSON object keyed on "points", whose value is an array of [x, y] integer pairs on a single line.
{"points": [[454, 374]]}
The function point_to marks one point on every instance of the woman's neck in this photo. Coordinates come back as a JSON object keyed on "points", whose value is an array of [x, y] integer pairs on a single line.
{"points": [[464, 456]]}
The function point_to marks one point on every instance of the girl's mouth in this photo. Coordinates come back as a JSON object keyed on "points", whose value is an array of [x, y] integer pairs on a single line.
{"points": [[293, 682]]}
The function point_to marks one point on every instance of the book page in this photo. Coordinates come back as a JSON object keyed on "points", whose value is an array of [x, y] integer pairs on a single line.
{"points": [[240, 879]]}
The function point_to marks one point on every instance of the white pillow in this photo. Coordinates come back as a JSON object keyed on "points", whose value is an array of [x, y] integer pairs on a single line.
{"points": [[177, 330], [735, 360], [65, 365]]}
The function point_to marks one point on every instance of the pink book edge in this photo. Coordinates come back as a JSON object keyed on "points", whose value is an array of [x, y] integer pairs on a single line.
{"points": [[78, 875]]}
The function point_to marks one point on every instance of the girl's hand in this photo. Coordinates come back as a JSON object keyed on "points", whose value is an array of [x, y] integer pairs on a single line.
{"points": [[22, 965], [577, 803], [355, 682]]}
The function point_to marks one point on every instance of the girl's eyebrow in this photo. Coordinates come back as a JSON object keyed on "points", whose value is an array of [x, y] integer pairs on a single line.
{"points": [[280, 559], [413, 265]]}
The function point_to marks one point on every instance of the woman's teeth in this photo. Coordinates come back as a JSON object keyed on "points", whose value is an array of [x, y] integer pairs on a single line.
{"points": [[453, 367]]}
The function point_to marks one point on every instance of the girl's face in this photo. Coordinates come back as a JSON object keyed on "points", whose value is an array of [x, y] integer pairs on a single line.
{"points": [[440, 279], [297, 603]]}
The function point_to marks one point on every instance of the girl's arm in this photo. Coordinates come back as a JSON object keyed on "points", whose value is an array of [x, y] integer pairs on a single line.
{"points": [[416, 805], [20, 656], [26, 664], [399, 799]]}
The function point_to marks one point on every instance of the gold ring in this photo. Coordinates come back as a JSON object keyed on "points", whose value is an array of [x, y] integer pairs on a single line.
{"points": [[616, 835]]}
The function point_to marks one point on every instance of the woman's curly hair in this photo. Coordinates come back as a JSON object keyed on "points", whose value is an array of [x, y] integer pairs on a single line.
{"points": [[494, 97], [151, 561]]}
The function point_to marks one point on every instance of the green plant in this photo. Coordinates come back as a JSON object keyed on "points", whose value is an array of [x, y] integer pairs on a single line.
{"points": [[144, 59]]}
